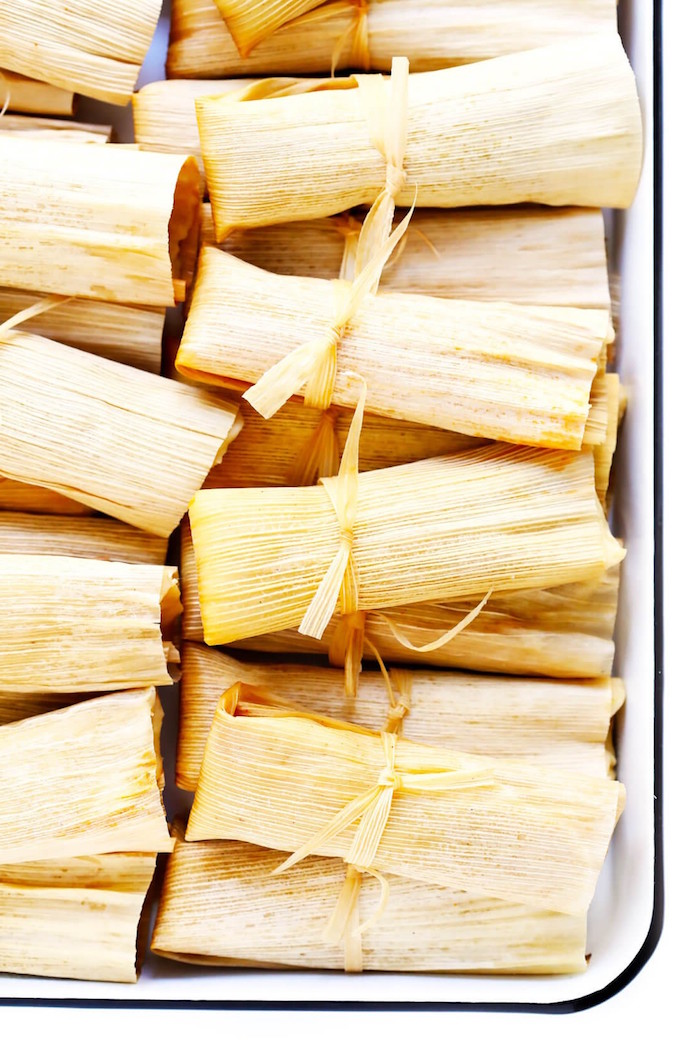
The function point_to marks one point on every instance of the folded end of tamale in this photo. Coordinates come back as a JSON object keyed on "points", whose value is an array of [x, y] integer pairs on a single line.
{"points": [[170, 613], [183, 228]]}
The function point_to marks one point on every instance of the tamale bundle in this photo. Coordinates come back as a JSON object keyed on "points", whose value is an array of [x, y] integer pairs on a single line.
{"points": [[78, 917], [124, 222], [87, 779], [529, 254], [79, 538], [564, 724], [133, 445], [96, 49], [218, 899], [25, 95], [80, 624], [15, 495], [45, 128], [494, 827], [353, 34]]}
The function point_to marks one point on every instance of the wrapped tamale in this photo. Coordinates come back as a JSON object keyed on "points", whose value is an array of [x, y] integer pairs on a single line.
{"points": [[18, 496], [565, 724], [496, 370], [123, 222], [83, 780], [134, 445], [494, 827], [218, 901], [79, 537], [77, 917], [61, 130], [25, 95], [79, 624], [558, 125], [528, 254], [560, 632], [95, 49], [366, 34]]}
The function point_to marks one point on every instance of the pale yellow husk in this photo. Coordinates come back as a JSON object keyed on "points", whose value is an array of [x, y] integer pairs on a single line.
{"points": [[123, 222], [219, 907], [16, 706], [60, 130], [70, 625], [143, 446], [497, 370], [17, 496], [525, 833], [93, 48], [25, 95], [250, 21], [75, 918], [79, 538], [432, 35], [87, 779]]}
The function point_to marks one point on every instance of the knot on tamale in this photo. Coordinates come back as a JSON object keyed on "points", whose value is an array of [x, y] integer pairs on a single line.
{"points": [[357, 34], [395, 179], [320, 456], [399, 698]]}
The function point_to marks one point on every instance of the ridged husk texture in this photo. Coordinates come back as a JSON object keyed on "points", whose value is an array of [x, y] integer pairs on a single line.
{"points": [[25, 95]]}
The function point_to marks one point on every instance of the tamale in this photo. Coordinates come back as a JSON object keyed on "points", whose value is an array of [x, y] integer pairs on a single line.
{"points": [[75, 918], [494, 827], [130, 334], [561, 632], [62, 130], [558, 125], [564, 724], [87, 779], [15, 495], [218, 898], [124, 222], [80, 624], [497, 370], [16, 706], [79, 538], [250, 21], [528, 254], [134, 445], [25, 95], [604, 452], [96, 49], [367, 35]]}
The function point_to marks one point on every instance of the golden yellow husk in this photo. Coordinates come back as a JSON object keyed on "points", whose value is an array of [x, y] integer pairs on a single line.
{"points": [[72, 625], [77, 918], [60, 130], [25, 95], [17, 496], [92, 48], [144, 446], [79, 538], [87, 779], [604, 452], [250, 21], [123, 222]]}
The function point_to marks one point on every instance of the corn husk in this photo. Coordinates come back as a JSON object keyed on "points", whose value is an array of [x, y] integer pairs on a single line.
{"points": [[561, 632], [130, 334], [563, 724], [524, 833], [76, 918], [95, 49], [25, 95], [87, 779], [15, 495], [79, 538], [124, 222], [218, 900], [16, 706], [143, 444], [250, 21], [441, 33], [61, 130], [472, 139], [604, 451], [496, 370], [528, 255], [78, 624]]}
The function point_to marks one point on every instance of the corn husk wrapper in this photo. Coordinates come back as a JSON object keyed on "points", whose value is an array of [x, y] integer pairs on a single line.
{"points": [[133, 445], [16, 706], [218, 898], [76, 537], [496, 370], [61, 130], [87, 779], [17, 496], [604, 451], [79, 624], [529, 255], [123, 222], [25, 95], [494, 827], [76, 918], [564, 724], [130, 334], [250, 21], [558, 125], [442, 33], [95, 49]]}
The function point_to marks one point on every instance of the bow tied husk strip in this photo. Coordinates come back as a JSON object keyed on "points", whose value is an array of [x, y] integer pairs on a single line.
{"points": [[344, 924]]}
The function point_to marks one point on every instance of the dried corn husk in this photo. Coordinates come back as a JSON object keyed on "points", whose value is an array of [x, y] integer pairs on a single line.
{"points": [[441, 33], [472, 139], [96, 49], [25, 95], [529, 255], [123, 222], [16, 706], [250, 21], [562, 632], [78, 624], [604, 451], [494, 827], [564, 724], [130, 334], [218, 899], [79, 538], [496, 370], [15, 495], [133, 445], [87, 779], [61, 130], [74, 918]]}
